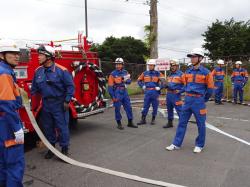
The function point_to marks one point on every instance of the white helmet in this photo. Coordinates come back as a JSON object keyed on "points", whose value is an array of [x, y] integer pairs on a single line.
{"points": [[238, 62], [151, 62], [196, 52], [174, 62], [47, 51], [119, 61], [220, 62], [8, 46]]}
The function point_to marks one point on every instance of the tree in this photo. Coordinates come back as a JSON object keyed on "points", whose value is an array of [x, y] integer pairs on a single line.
{"points": [[229, 39], [130, 49]]}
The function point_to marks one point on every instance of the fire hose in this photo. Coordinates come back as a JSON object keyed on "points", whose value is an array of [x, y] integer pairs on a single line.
{"points": [[84, 165], [101, 86]]}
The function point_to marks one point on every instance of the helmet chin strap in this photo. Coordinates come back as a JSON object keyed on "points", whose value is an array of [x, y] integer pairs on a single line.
{"points": [[199, 61], [6, 62], [47, 59]]}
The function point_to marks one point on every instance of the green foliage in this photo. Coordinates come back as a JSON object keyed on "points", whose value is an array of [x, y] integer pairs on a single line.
{"points": [[130, 49], [228, 38]]}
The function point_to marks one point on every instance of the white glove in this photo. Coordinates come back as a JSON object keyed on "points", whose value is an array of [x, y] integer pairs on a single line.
{"points": [[157, 88], [126, 77], [19, 136], [144, 87]]}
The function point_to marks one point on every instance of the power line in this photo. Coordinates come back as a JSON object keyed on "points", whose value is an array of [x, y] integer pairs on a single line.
{"points": [[92, 8], [184, 14]]}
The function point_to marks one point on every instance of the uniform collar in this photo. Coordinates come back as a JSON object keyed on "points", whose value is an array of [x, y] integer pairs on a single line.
{"points": [[51, 68], [119, 71], [5, 65], [199, 68]]}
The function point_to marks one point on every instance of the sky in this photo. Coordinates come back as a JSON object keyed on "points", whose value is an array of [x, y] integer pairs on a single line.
{"points": [[181, 22]]}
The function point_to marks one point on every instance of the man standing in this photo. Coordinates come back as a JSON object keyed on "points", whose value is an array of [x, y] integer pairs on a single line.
{"points": [[56, 86], [239, 79], [117, 88], [150, 82], [218, 74], [199, 88], [174, 89], [11, 129]]}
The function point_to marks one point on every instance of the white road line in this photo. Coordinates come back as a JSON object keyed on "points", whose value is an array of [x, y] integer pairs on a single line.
{"points": [[213, 128], [234, 119], [92, 167]]}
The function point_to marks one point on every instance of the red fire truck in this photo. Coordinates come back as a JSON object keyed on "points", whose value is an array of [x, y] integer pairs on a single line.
{"points": [[89, 80]]}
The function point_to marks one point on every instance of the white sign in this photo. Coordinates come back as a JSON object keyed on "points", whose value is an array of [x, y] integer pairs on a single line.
{"points": [[162, 64]]}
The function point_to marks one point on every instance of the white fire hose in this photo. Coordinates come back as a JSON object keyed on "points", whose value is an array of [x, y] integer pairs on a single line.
{"points": [[84, 165]]}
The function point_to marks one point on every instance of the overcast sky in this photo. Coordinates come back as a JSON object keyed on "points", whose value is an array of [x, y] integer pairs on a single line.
{"points": [[181, 22]]}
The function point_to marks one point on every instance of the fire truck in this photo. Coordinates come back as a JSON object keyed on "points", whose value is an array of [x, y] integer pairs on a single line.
{"points": [[90, 83]]}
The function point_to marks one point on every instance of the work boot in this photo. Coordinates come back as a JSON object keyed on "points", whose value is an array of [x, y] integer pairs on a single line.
{"points": [[119, 125], [131, 124], [169, 124], [143, 120], [153, 120], [49, 154], [65, 151]]}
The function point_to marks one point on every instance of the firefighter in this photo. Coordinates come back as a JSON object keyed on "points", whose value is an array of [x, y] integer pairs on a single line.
{"points": [[11, 130], [218, 74], [199, 88], [117, 88], [56, 86], [150, 82], [239, 79], [175, 88]]}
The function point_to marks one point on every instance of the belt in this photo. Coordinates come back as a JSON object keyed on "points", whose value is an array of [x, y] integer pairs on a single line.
{"points": [[194, 95], [120, 88], [51, 98], [2, 114], [219, 80], [238, 81], [150, 88], [173, 91]]}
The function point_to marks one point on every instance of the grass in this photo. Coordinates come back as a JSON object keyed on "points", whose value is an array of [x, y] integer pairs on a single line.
{"points": [[133, 89]]}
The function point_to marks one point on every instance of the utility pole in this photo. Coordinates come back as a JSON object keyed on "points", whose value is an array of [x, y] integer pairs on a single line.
{"points": [[86, 18], [153, 29], [153, 35]]}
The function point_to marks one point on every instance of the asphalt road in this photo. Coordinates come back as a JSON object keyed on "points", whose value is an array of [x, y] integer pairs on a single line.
{"points": [[224, 162]]}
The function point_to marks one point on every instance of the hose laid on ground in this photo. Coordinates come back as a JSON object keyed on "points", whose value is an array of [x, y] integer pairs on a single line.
{"points": [[101, 86], [84, 165]]}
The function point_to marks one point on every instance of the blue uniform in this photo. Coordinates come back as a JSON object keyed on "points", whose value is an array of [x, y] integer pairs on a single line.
{"points": [[11, 158], [239, 78], [218, 74], [119, 94], [174, 89], [199, 88], [56, 86], [151, 80]]}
